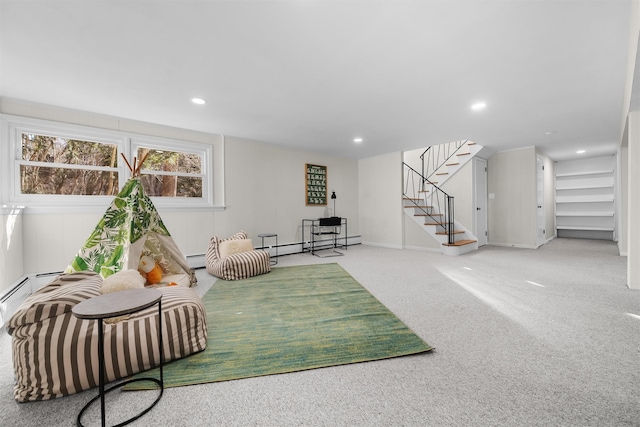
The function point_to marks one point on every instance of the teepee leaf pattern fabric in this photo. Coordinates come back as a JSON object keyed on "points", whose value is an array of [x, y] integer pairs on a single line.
{"points": [[130, 217]]}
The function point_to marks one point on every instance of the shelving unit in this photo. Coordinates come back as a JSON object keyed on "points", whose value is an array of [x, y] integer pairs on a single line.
{"points": [[585, 205]]}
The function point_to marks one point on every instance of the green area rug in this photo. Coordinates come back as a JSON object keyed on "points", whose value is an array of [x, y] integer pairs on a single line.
{"points": [[291, 319]]}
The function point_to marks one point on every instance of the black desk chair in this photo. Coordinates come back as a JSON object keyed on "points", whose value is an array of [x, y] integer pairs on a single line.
{"points": [[327, 226]]}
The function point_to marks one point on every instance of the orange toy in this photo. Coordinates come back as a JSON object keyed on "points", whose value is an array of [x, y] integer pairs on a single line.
{"points": [[150, 270]]}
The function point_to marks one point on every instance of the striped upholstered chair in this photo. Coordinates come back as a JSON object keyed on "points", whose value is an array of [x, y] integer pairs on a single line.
{"points": [[234, 258], [55, 353]]}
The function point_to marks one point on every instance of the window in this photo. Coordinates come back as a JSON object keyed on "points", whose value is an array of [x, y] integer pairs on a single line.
{"points": [[171, 174], [64, 166], [52, 164]]}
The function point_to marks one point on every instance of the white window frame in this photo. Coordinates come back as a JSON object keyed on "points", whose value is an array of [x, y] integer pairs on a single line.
{"points": [[12, 128], [204, 151]]}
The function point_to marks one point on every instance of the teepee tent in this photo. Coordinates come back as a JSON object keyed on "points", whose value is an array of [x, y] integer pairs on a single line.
{"points": [[129, 229]]}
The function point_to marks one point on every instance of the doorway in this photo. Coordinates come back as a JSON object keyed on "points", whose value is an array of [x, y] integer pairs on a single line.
{"points": [[540, 234], [480, 200]]}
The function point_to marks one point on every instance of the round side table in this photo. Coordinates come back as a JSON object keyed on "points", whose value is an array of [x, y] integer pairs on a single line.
{"points": [[113, 305]]}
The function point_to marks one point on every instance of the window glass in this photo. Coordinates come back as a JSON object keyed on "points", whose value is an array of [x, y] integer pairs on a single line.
{"points": [[171, 186], [167, 173], [55, 165]]}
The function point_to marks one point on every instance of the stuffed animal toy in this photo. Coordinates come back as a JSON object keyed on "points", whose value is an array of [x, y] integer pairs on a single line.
{"points": [[150, 270]]}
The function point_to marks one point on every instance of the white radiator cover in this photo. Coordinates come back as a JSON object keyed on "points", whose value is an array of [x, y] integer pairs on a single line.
{"points": [[11, 251]]}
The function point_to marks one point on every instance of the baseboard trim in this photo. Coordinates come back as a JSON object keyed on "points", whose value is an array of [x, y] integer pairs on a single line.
{"points": [[513, 245], [423, 249], [382, 245], [199, 260]]}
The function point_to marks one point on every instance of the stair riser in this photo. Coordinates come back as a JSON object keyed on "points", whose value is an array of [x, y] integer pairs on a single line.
{"points": [[459, 250]]}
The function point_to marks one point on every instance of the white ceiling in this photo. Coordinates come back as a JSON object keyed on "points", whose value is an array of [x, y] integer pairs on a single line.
{"points": [[314, 74]]}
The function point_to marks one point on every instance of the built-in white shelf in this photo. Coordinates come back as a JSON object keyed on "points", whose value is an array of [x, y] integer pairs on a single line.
{"points": [[585, 197], [583, 227], [585, 186], [597, 172], [584, 213]]}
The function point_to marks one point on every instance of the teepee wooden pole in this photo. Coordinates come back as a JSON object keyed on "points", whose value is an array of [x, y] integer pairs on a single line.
{"points": [[127, 162], [135, 170], [142, 161]]}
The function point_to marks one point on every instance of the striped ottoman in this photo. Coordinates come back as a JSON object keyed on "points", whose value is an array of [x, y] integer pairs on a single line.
{"points": [[55, 353]]}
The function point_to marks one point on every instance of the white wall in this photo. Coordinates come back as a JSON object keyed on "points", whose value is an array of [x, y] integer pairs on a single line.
{"points": [[549, 197], [633, 202], [512, 211], [622, 198], [416, 238], [264, 190], [412, 158], [630, 147], [380, 198]]}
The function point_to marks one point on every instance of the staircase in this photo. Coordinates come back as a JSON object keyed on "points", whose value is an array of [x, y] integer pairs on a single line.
{"points": [[432, 208]]}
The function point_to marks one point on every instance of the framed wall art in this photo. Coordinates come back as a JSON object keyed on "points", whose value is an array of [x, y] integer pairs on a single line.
{"points": [[316, 185]]}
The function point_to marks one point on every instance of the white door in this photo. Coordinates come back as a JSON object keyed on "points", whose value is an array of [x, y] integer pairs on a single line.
{"points": [[540, 202], [480, 196]]}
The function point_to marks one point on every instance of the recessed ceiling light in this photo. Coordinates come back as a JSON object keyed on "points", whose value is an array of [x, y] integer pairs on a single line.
{"points": [[580, 152], [357, 140], [198, 101], [479, 106]]}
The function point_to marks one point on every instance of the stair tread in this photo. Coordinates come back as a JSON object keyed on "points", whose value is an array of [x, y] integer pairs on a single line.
{"points": [[444, 233], [463, 154], [460, 243], [435, 223], [452, 164], [471, 143], [425, 214], [418, 206], [443, 173]]}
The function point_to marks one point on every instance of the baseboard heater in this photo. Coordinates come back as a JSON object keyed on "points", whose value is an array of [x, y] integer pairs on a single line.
{"points": [[12, 298], [15, 288]]}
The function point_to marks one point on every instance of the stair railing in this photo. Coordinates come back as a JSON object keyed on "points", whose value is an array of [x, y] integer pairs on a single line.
{"points": [[414, 191], [434, 157]]}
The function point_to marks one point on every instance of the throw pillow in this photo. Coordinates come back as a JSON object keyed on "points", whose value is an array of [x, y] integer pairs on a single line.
{"points": [[234, 246], [123, 280], [213, 252]]}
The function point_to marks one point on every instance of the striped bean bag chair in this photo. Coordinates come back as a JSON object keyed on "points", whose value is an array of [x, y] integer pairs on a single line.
{"points": [[238, 265], [56, 354]]}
